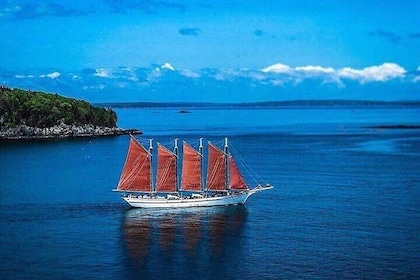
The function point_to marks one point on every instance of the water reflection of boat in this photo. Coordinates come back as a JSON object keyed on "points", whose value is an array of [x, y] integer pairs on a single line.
{"points": [[196, 235], [166, 227], [137, 235], [191, 231]]}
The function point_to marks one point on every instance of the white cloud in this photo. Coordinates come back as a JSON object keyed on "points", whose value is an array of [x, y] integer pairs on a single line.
{"points": [[380, 73], [278, 75], [280, 68], [226, 75], [315, 69], [103, 73], [219, 77], [277, 82], [153, 75], [297, 74], [156, 73], [133, 78], [416, 79], [125, 73], [98, 87], [122, 84], [417, 76], [189, 74], [53, 75], [277, 68], [256, 75], [168, 66], [20, 76]]}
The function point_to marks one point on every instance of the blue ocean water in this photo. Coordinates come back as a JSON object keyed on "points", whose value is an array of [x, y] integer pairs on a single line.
{"points": [[345, 203]]}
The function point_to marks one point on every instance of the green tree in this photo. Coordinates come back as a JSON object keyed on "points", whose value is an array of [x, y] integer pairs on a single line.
{"points": [[39, 109]]}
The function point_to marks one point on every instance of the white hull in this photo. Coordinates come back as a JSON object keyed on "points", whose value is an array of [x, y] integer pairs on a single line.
{"points": [[159, 202]]}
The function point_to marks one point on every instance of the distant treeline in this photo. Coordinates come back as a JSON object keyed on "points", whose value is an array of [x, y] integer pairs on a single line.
{"points": [[39, 109], [291, 103]]}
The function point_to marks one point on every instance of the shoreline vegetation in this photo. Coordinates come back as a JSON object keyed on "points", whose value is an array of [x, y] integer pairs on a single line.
{"points": [[38, 115]]}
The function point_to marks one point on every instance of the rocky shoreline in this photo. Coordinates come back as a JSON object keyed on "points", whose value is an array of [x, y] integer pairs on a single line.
{"points": [[62, 130]]}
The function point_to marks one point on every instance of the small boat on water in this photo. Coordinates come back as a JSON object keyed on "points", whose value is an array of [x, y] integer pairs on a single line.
{"points": [[224, 183]]}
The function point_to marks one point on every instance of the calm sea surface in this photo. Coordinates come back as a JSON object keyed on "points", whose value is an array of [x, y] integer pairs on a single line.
{"points": [[346, 203]]}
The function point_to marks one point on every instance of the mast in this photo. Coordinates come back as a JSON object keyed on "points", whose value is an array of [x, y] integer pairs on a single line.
{"points": [[200, 150], [227, 185], [151, 164], [166, 177], [176, 164], [191, 169], [216, 169]]}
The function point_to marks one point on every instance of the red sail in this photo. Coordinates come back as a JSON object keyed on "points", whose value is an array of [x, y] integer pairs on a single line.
{"points": [[216, 169], [236, 180], [191, 169], [166, 170], [136, 175]]}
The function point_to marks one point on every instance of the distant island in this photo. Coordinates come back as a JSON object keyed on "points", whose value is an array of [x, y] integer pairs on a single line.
{"points": [[396, 126], [38, 115], [265, 104]]}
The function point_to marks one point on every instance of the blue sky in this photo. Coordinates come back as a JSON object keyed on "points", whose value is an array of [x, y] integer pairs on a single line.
{"points": [[212, 51]]}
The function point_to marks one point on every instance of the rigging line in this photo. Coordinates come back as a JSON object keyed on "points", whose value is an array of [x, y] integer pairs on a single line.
{"points": [[218, 143], [247, 168], [143, 141], [168, 145]]}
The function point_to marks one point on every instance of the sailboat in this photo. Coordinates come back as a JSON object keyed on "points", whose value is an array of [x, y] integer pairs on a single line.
{"points": [[224, 183]]}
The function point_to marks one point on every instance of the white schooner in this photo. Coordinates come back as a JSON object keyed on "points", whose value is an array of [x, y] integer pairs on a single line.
{"points": [[224, 183]]}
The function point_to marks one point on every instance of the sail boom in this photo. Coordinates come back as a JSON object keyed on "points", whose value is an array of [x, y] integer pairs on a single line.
{"points": [[128, 191]]}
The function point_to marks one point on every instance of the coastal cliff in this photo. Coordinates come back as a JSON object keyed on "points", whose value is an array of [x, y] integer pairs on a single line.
{"points": [[38, 115]]}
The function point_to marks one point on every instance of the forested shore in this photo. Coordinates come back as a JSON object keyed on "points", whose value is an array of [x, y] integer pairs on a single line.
{"points": [[37, 115]]}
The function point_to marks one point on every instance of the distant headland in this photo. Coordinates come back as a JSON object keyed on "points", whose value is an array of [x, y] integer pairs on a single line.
{"points": [[39, 115]]}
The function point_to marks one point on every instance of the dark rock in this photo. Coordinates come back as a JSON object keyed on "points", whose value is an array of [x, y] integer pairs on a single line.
{"points": [[62, 131]]}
